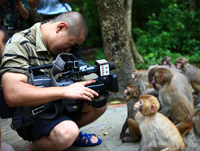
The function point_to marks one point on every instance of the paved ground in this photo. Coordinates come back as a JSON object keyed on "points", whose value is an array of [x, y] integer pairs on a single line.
{"points": [[107, 127]]}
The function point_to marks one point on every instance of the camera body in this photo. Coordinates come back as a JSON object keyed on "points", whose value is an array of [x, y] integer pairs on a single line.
{"points": [[71, 72]]}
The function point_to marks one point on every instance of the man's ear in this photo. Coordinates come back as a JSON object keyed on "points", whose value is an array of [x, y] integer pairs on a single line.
{"points": [[61, 26]]}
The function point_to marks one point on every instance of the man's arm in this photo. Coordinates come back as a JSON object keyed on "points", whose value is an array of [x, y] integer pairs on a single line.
{"points": [[17, 92], [33, 3], [22, 10]]}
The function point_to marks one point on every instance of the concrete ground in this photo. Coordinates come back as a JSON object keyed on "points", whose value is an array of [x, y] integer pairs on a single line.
{"points": [[107, 128]]}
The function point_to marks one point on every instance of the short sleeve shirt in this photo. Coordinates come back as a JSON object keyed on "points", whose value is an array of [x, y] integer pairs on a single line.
{"points": [[25, 49]]}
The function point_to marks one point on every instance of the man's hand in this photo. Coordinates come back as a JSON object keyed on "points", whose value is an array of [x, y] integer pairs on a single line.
{"points": [[79, 91], [17, 92]]}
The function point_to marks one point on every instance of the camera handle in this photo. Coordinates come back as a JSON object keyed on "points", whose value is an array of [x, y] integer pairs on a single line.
{"points": [[57, 67]]}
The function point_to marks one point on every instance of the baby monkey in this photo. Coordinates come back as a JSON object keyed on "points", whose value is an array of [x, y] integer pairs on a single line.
{"points": [[131, 95], [158, 132]]}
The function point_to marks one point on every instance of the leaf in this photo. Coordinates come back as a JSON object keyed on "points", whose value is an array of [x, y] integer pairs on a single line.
{"points": [[115, 102]]}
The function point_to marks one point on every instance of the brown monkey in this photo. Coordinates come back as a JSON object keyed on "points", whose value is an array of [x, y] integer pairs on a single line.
{"points": [[131, 94], [179, 80], [166, 61], [196, 125], [158, 132], [140, 79], [192, 73], [173, 103]]}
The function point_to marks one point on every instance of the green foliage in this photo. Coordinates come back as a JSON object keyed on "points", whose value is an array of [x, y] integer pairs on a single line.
{"points": [[174, 32]]}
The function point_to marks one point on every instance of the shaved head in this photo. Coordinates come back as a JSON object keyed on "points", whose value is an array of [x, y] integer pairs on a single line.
{"points": [[76, 23]]}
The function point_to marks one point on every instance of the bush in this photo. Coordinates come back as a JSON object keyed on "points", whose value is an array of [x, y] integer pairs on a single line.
{"points": [[174, 33]]}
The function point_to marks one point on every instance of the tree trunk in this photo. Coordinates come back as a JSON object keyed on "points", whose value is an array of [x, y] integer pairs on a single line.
{"points": [[136, 55], [116, 42], [190, 4]]}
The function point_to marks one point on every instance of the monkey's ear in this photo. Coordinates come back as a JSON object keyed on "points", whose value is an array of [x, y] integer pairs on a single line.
{"points": [[186, 61], [161, 77], [153, 108]]}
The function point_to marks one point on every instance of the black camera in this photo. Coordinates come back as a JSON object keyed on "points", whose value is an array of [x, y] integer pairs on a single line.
{"points": [[67, 66]]}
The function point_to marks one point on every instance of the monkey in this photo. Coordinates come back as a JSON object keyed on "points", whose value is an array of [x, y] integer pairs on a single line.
{"points": [[192, 73], [131, 95], [174, 105], [196, 125], [140, 79], [158, 132], [179, 80], [166, 61]]}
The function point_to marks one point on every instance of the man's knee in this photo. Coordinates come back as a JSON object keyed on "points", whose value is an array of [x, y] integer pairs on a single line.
{"points": [[65, 133], [6, 147]]}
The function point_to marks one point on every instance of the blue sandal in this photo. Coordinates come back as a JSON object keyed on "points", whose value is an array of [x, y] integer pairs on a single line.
{"points": [[84, 137]]}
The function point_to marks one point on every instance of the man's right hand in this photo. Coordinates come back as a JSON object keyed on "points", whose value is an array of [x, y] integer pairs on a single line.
{"points": [[79, 91]]}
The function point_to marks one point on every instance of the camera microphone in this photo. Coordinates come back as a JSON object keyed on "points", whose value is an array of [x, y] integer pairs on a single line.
{"points": [[101, 67]]}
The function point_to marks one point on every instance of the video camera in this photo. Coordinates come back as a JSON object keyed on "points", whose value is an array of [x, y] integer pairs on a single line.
{"points": [[67, 65]]}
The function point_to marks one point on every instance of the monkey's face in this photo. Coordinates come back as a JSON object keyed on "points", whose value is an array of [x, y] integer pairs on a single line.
{"points": [[159, 78], [138, 105], [147, 104], [179, 64], [165, 62], [133, 76], [131, 91], [151, 75]]}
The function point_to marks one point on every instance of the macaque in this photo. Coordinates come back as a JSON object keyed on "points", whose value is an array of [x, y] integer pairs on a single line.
{"points": [[166, 61], [179, 80], [158, 132], [140, 79], [196, 125], [174, 105], [131, 95], [192, 73]]}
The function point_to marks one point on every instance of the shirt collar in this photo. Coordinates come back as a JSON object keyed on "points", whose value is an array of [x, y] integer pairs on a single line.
{"points": [[40, 44]]}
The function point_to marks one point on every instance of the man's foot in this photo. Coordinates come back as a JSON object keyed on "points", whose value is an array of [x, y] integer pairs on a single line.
{"points": [[85, 139]]}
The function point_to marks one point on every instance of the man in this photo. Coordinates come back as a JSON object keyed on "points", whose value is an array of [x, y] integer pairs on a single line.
{"points": [[37, 46]]}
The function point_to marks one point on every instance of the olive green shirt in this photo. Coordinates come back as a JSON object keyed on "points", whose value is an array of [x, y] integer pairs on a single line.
{"points": [[23, 49]]}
